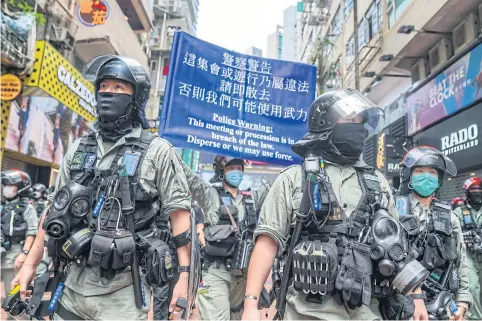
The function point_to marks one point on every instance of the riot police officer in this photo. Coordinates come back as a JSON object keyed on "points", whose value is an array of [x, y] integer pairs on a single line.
{"points": [[457, 202], [470, 215], [329, 200], [39, 198], [19, 223], [115, 180], [435, 232], [228, 213]]}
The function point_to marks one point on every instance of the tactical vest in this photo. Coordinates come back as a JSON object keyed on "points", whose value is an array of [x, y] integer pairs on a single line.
{"points": [[250, 210], [436, 246], [337, 222], [146, 205], [14, 225]]}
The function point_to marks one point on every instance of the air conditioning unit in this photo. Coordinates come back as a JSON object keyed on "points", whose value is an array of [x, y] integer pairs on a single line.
{"points": [[440, 53], [63, 33], [466, 31], [419, 70]]}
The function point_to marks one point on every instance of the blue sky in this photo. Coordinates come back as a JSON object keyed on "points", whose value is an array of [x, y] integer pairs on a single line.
{"points": [[239, 24]]}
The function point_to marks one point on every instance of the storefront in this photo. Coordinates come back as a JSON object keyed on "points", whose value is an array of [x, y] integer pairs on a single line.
{"points": [[446, 113], [39, 125], [460, 138]]}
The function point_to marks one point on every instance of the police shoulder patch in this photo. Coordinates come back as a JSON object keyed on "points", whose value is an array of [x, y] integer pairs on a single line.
{"points": [[466, 212]]}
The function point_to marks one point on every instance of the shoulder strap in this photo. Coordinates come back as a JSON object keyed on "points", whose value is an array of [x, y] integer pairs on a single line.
{"points": [[231, 218]]}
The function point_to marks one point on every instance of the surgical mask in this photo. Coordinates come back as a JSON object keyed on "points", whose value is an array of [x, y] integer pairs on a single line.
{"points": [[234, 178], [475, 197], [112, 106], [424, 184], [9, 192], [349, 139]]}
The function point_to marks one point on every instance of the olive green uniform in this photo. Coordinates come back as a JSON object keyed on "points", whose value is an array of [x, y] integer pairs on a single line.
{"points": [[463, 294], [279, 213], [474, 265], [86, 293], [221, 293], [8, 262]]}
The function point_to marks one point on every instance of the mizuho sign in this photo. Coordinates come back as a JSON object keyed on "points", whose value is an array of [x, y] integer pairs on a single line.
{"points": [[462, 139]]}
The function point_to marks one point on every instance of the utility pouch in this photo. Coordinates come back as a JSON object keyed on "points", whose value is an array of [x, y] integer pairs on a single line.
{"points": [[315, 266], [411, 224], [432, 257], [354, 277], [158, 264], [220, 240], [112, 249], [242, 253], [397, 307]]}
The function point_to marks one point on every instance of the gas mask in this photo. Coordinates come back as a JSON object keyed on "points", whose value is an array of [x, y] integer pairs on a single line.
{"points": [[390, 249], [475, 196], [71, 205]]}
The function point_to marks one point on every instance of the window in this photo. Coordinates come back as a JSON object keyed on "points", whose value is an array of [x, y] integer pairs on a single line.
{"points": [[153, 65], [347, 8], [336, 23], [362, 34], [350, 51], [395, 9]]}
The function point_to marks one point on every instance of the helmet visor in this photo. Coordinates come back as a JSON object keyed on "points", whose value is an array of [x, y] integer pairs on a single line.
{"points": [[92, 67], [349, 103], [431, 156]]}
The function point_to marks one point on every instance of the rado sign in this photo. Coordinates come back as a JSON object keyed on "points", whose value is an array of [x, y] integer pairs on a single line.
{"points": [[458, 137]]}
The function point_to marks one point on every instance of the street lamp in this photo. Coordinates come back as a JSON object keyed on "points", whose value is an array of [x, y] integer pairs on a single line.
{"points": [[408, 29], [370, 74]]}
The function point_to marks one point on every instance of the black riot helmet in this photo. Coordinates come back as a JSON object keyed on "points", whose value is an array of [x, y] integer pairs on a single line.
{"points": [[424, 156], [220, 162], [18, 178], [39, 191], [125, 69], [327, 110]]}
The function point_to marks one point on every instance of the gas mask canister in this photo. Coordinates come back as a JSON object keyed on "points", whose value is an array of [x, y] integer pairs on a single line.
{"points": [[390, 249], [70, 207]]}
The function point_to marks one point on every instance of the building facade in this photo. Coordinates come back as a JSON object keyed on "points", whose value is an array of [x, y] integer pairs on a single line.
{"points": [[54, 101], [169, 16], [275, 44], [419, 60], [253, 51], [291, 33]]}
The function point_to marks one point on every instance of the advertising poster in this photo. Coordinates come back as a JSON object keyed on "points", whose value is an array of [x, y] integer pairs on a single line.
{"points": [[222, 102], [42, 127], [457, 87]]}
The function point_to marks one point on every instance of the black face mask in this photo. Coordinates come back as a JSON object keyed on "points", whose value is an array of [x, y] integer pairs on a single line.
{"points": [[111, 106], [475, 197], [349, 139]]}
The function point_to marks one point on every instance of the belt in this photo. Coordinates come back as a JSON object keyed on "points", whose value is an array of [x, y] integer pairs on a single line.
{"points": [[341, 229], [66, 314]]}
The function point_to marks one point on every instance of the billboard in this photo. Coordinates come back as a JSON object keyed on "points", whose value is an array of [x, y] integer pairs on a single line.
{"points": [[42, 127], [457, 87]]}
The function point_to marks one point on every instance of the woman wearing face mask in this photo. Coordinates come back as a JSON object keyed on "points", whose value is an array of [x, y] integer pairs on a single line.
{"points": [[435, 232]]}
